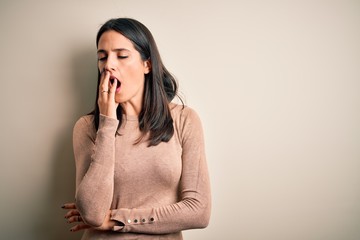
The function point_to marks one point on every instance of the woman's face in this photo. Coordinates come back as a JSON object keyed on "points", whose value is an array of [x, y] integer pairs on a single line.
{"points": [[117, 55]]}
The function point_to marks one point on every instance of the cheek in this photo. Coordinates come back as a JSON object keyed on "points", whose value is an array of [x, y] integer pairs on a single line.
{"points": [[137, 78], [137, 73], [100, 66]]}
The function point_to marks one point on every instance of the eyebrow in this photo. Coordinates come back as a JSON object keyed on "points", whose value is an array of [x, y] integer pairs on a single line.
{"points": [[113, 50]]}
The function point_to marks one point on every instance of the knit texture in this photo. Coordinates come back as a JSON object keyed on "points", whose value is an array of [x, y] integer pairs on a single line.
{"points": [[153, 192]]}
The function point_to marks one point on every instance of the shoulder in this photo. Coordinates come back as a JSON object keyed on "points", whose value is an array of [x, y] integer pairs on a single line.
{"points": [[85, 126], [85, 121], [187, 123], [183, 113]]}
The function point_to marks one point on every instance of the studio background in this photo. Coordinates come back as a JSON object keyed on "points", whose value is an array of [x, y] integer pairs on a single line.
{"points": [[276, 84]]}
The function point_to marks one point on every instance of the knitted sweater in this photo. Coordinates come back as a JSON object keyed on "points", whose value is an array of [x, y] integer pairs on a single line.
{"points": [[152, 192]]}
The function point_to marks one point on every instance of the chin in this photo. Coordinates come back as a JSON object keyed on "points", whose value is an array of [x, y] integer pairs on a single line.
{"points": [[119, 100]]}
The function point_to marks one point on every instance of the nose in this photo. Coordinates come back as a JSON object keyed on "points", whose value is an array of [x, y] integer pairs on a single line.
{"points": [[109, 64]]}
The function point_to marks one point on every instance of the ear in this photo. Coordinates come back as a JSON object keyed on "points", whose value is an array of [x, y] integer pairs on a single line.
{"points": [[147, 66]]}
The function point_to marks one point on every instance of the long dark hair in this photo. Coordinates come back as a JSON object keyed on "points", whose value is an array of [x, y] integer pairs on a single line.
{"points": [[160, 86]]}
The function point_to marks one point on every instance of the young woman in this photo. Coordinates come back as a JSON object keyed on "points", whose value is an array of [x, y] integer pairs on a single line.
{"points": [[141, 171]]}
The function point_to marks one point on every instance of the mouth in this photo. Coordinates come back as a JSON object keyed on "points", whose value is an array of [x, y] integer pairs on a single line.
{"points": [[114, 80]]}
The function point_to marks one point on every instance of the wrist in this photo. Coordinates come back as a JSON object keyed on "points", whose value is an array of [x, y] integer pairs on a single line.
{"points": [[107, 123]]}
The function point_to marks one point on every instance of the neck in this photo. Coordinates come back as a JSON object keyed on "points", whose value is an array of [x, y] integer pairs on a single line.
{"points": [[131, 109]]}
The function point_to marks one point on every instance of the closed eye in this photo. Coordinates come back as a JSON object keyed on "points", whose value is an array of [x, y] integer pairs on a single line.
{"points": [[104, 58]]}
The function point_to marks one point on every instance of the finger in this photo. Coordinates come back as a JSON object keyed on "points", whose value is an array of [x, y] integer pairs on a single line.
{"points": [[79, 227], [72, 213], [102, 76], [75, 219], [104, 84], [69, 206], [112, 90]]}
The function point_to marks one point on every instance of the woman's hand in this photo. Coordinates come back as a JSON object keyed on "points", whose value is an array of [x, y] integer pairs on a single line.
{"points": [[73, 215], [106, 100]]}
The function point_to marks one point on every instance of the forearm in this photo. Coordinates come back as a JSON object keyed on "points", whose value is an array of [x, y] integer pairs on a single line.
{"points": [[192, 211], [187, 214], [94, 192]]}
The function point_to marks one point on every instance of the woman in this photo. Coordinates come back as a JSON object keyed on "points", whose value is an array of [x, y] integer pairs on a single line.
{"points": [[140, 162]]}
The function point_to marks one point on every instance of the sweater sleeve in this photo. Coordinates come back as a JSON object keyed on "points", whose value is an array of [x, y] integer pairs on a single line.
{"points": [[193, 209], [94, 160]]}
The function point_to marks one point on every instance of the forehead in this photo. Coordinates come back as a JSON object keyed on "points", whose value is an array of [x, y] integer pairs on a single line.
{"points": [[113, 40]]}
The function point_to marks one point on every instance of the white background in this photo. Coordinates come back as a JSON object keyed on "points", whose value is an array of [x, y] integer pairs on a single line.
{"points": [[276, 84]]}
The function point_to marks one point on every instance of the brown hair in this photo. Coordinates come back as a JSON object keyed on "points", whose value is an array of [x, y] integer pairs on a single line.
{"points": [[160, 86]]}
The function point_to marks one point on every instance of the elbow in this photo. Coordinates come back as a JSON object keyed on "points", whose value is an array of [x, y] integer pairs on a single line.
{"points": [[205, 214], [204, 218], [201, 218], [90, 215], [94, 220], [204, 223]]}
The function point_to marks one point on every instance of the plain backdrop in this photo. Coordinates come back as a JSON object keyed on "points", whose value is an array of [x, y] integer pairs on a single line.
{"points": [[276, 84]]}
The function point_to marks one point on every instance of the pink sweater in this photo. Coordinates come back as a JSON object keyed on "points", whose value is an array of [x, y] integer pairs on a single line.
{"points": [[156, 192]]}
